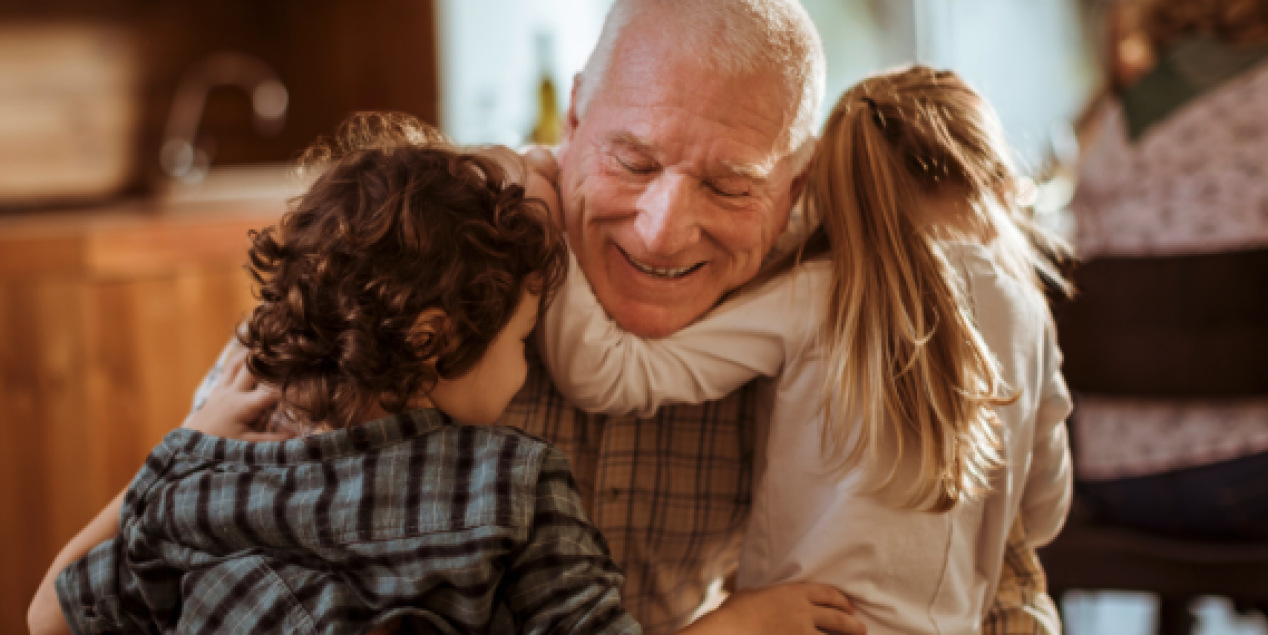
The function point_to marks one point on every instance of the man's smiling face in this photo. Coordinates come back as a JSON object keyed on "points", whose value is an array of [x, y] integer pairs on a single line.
{"points": [[675, 182]]}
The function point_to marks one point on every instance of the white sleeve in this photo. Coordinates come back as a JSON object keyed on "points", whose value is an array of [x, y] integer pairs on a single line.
{"points": [[599, 367], [1050, 483], [212, 378]]}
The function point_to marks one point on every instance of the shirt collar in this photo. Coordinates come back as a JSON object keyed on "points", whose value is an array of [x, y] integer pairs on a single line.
{"points": [[361, 439]]}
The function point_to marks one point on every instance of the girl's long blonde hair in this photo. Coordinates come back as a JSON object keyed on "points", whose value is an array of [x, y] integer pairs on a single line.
{"points": [[904, 357]]}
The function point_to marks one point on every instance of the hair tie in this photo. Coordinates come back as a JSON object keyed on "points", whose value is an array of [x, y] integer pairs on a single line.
{"points": [[877, 116]]}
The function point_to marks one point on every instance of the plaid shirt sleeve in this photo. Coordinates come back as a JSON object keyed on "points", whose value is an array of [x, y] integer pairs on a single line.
{"points": [[1022, 605], [99, 593], [563, 580]]}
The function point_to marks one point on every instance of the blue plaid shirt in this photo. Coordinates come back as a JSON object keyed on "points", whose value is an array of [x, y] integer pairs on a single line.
{"points": [[456, 529]]}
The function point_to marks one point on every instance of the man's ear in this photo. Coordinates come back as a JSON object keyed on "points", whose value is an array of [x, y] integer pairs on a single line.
{"points": [[571, 120], [799, 182]]}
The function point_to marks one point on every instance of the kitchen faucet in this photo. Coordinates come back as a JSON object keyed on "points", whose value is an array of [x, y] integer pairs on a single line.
{"points": [[180, 157]]}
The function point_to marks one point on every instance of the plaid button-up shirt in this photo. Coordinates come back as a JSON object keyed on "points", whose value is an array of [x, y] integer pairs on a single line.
{"points": [[672, 493], [456, 529]]}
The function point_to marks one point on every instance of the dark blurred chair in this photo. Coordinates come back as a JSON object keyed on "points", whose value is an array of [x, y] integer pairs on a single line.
{"points": [[1180, 327], [1090, 556]]}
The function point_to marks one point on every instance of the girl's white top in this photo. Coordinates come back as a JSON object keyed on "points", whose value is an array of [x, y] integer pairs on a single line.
{"points": [[906, 571]]}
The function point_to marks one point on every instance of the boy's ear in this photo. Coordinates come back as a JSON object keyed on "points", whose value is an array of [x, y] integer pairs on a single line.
{"points": [[428, 332]]}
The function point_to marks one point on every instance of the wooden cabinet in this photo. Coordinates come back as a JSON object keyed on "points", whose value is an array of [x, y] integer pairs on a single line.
{"points": [[107, 323]]}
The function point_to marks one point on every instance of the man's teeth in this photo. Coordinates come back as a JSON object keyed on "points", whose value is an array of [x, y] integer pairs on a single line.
{"points": [[666, 273]]}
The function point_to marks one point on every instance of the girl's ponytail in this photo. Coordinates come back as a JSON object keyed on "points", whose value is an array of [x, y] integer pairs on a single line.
{"points": [[907, 369]]}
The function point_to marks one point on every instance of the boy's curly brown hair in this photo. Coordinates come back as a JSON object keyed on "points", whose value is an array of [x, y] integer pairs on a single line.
{"points": [[399, 223]]}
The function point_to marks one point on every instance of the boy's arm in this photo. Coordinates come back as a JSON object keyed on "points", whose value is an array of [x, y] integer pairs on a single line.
{"points": [[600, 367], [45, 616], [564, 580]]}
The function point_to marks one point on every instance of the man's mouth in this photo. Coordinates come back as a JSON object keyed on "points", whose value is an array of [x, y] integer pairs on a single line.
{"points": [[662, 273]]}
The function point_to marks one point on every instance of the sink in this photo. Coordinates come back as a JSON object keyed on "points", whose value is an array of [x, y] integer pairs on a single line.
{"points": [[256, 182]]}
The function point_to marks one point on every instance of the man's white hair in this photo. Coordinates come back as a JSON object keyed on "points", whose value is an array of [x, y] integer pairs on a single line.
{"points": [[732, 37]]}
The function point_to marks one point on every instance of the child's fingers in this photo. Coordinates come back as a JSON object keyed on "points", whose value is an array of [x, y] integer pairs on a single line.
{"points": [[830, 597], [509, 160], [541, 161], [245, 381], [255, 405], [263, 396], [541, 189], [233, 368], [834, 621]]}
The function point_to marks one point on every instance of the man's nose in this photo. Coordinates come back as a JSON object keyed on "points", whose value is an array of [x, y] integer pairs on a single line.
{"points": [[668, 214]]}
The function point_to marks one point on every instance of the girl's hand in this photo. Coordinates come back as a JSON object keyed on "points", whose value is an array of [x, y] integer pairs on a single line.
{"points": [[542, 161], [235, 404], [539, 188], [536, 170], [542, 181], [787, 609]]}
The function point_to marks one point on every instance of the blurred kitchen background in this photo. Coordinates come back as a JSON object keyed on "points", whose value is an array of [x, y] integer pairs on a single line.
{"points": [[141, 139]]}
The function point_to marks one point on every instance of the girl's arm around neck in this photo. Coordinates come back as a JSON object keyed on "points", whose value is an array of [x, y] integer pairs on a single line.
{"points": [[602, 368]]}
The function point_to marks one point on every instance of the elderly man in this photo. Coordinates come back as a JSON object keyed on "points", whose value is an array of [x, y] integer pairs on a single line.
{"points": [[684, 151]]}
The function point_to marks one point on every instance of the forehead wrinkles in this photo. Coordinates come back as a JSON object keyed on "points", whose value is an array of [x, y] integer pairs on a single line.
{"points": [[732, 104], [670, 91]]}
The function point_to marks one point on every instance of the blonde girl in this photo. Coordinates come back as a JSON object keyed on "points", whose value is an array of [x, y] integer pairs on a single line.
{"points": [[910, 402]]}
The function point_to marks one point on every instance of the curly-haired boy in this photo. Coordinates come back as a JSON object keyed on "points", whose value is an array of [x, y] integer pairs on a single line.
{"points": [[396, 296]]}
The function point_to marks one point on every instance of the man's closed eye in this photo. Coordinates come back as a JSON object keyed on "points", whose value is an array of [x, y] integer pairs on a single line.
{"points": [[635, 166], [729, 190]]}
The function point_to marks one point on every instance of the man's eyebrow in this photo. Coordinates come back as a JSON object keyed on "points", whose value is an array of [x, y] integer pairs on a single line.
{"points": [[629, 140], [751, 171]]}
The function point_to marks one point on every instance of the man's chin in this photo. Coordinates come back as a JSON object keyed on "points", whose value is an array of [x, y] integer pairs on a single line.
{"points": [[653, 320]]}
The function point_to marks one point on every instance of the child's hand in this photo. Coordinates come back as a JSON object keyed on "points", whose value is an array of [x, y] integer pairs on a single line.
{"points": [[235, 404], [536, 170], [543, 180], [542, 161], [542, 189]]}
